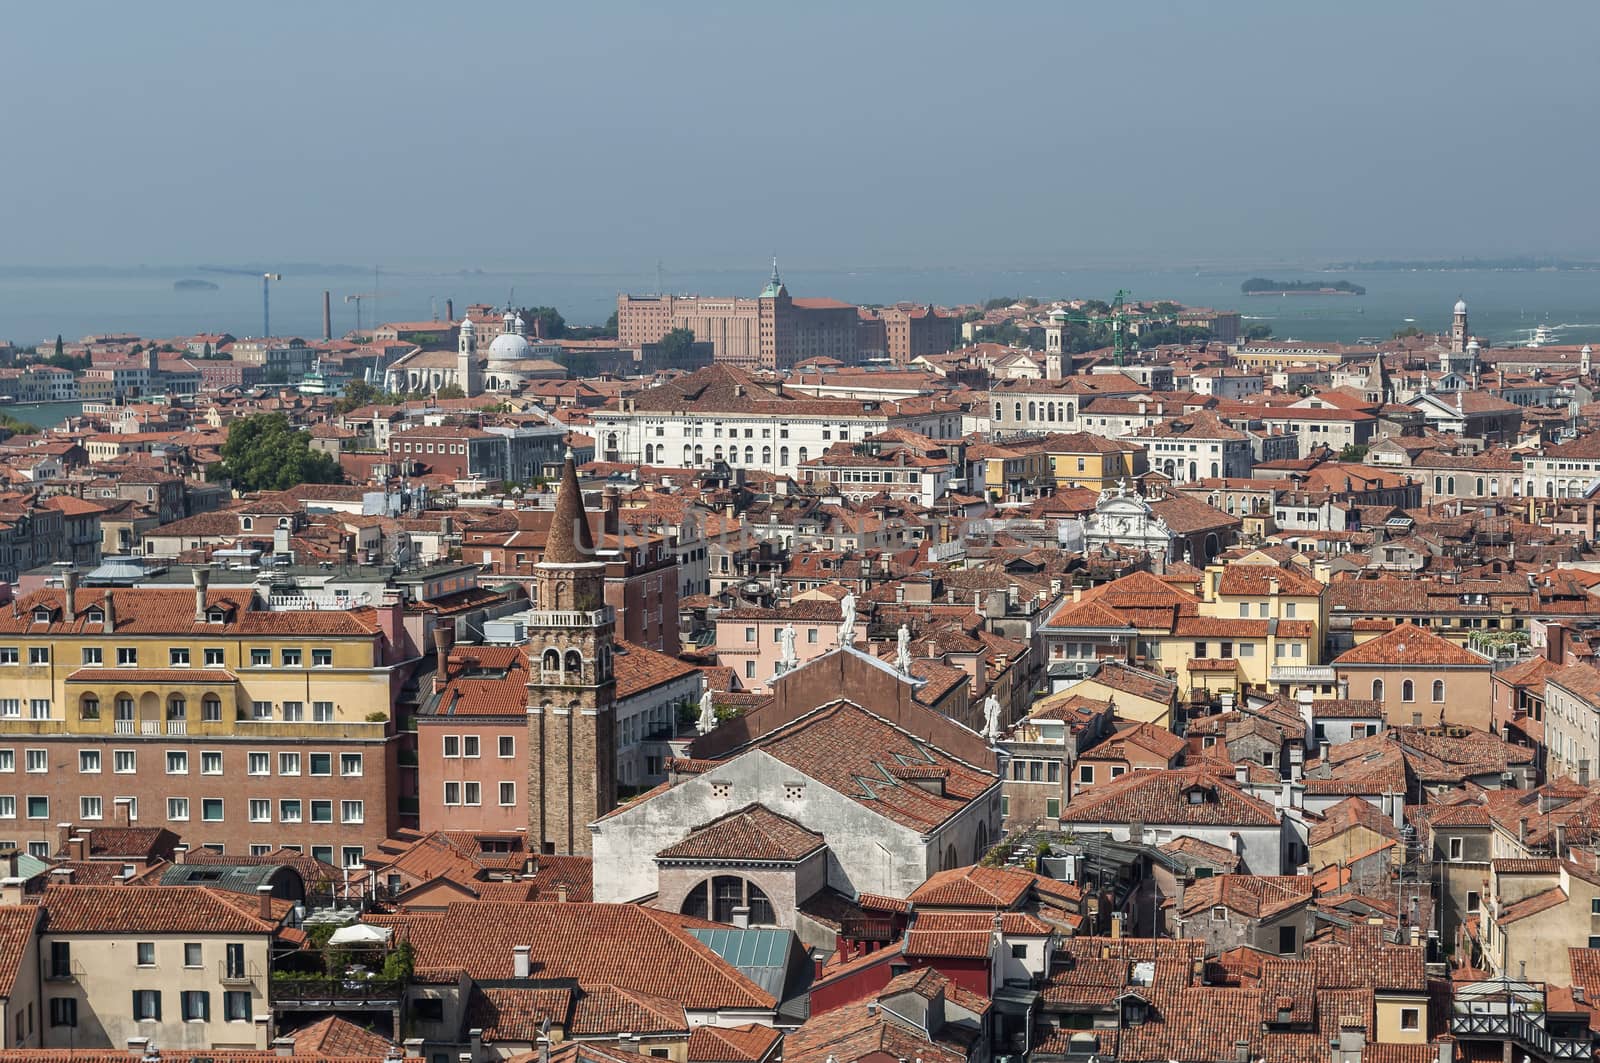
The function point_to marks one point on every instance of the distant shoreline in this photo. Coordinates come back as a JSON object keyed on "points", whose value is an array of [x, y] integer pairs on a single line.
{"points": [[1303, 291]]}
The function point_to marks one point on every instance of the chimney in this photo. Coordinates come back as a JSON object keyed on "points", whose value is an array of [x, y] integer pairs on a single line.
{"points": [[1241, 774], [610, 509], [327, 314], [180, 854], [63, 836], [69, 594], [283, 1046], [110, 611], [202, 580], [1241, 1052], [444, 638], [450, 310], [519, 961], [413, 1048], [138, 1046], [78, 847], [476, 1037], [741, 917], [1555, 645], [264, 902], [1323, 746], [1116, 925], [1522, 831]]}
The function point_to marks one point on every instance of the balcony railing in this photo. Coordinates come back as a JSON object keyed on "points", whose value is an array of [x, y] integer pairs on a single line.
{"points": [[569, 618], [1301, 673], [125, 727], [336, 992], [177, 727], [1520, 1030], [236, 973]]}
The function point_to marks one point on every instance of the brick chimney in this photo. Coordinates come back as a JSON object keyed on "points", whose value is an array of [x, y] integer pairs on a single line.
{"points": [[202, 580], [1555, 645], [444, 639], [264, 899], [69, 593]]}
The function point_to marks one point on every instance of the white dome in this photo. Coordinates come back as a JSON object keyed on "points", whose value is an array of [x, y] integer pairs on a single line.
{"points": [[467, 325], [1461, 306], [508, 347]]}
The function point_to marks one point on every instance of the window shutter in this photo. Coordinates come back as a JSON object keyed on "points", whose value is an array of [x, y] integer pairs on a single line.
{"points": [[156, 993]]}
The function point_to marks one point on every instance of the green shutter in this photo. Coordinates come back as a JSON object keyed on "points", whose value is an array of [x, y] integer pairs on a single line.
{"points": [[1052, 808]]}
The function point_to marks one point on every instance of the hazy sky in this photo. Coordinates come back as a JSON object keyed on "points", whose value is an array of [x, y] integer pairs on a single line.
{"points": [[593, 135]]}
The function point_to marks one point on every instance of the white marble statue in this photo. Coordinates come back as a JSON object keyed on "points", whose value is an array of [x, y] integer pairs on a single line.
{"points": [[991, 718], [787, 659], [902, 654], [708, 711], [847, 623]]}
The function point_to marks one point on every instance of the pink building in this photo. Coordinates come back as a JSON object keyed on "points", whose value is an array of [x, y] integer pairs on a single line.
{"points": [[750, 640], [472, 763]]}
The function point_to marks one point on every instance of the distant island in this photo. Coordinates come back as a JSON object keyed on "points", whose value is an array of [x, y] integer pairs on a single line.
{"points": [[191, 284], [1263, 286]]}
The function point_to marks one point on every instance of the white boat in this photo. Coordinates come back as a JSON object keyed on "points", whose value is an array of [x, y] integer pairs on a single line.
{"points": [[1541, 336]]}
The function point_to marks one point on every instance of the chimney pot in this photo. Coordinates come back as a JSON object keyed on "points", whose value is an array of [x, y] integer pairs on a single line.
{"points": [[264, 897]]}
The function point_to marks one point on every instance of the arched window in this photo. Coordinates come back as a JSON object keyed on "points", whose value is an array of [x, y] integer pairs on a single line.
{"points": [[804, 454], [783, 455], [89, 708], [1438, 485], [716, 455], [749, 455], [766, 455], [1480, 487], [717, 897], [552, 661], [1408, 690], [688, 454], [1438, 691], [177, 707], [1032, 412], [1450, 485], [699, 454], [1377, 690], [1019, 411], [211, 708], [950, 857], [981, 842], [574, 661], [649, 453]]}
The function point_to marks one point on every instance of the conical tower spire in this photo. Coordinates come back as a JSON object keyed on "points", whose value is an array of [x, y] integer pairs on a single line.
{"points": [[569, 542]]}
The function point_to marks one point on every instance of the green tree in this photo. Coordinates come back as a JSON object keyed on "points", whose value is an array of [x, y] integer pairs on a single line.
{"points": [[551, 324], [266, 453], [1353, 452], [1258, 332], [1408, 332], [677, 345], [61, 349], [13, 427], [359, 393], [450, 391]]}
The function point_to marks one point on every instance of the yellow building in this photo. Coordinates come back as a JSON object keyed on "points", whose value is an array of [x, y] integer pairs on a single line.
{"points": [[202, 711], [1008, 473], [1082, 459]]}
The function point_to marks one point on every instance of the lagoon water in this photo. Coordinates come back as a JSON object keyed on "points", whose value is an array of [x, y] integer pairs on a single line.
{"points": [[1505, 305]]}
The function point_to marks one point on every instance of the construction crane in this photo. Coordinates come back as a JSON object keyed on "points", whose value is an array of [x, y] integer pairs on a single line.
{"points": [[266, 302], [1118, 318], [357, 300]]}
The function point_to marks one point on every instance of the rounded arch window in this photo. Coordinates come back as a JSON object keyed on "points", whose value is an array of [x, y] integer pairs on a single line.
{"points": [[1377, 690], [552, 661], [1408, 690], [1438, 691], [211, 708], [89, 707], [718, 896], [176, 707], [574, 661]]}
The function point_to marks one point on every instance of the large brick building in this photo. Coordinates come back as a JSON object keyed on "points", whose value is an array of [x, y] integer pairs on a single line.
{"points": [[771, 331]]}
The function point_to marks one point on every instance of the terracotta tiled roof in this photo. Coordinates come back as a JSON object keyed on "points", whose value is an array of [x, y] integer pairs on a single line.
{"points": [[610, 1009], [754, 832], [1409, 646], [145, 909], [569, 541], [991, 888], [659, 957], [17, 925], [638, 668], [1256, 896], [731, 1044], [1161, 797], [335, 1036]]}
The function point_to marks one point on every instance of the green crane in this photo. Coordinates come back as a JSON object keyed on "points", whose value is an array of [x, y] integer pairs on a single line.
{"points": [[1118, 317]]}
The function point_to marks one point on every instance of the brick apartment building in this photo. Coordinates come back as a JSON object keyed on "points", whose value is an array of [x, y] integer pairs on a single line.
{"points": [[770, 331]]}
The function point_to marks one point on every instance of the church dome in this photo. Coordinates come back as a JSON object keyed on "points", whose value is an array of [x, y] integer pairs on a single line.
{"points": [[509, 347], [1461, 306]]}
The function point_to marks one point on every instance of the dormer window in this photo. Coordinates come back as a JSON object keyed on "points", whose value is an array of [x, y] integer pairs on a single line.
{"points": [[247, 523], [95, 616], [215, 616], [42, 616]]}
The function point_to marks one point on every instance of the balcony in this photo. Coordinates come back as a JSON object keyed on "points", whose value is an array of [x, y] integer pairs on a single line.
{"points": [[237, 973], [1509, 1011], [569, 618], [297, 994], [1301, 673]]}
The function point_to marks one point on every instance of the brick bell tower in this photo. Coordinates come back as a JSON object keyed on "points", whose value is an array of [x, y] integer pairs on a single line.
{"points": [[572, 755]]}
